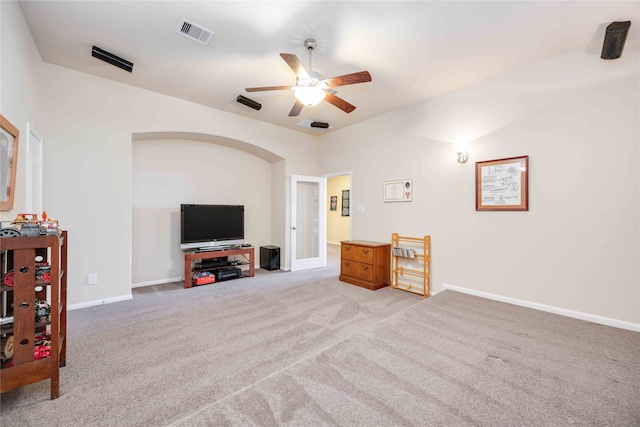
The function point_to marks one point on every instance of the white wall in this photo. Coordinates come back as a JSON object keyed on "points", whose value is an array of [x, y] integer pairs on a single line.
{"points": [[20, 92], [169, 172], [577, 247]]}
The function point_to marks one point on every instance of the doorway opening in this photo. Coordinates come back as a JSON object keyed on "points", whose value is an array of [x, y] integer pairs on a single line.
{"points": [[339, 211]]}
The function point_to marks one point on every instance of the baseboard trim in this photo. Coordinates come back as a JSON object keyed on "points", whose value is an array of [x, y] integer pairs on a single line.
{"points": [[548, 308], [99, 302], [156, 282]]}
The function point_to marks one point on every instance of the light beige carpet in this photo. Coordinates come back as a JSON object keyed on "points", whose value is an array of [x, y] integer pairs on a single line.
{"points": [[306, 349]]}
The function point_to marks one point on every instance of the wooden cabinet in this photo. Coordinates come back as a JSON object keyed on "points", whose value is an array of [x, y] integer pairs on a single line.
{"points": [[411, 264], [33, 310], [218, 260], [365, 264]]}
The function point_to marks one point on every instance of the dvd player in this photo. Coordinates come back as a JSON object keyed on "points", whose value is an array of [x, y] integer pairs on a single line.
{"points": [[227, 273]]}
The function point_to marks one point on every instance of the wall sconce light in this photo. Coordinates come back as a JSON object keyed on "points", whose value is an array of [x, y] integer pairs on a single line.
{"points": [[463, 156], [460, 149]]}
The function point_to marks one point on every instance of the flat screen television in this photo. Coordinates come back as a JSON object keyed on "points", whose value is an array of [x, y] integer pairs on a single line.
{"points": [[206, 225]]}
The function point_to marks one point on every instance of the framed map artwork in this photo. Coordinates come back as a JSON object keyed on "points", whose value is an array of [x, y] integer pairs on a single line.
{"points": [[503, 184]]}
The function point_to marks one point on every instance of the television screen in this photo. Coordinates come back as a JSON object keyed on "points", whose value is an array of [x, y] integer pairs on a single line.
{"points": [[211, 223]]}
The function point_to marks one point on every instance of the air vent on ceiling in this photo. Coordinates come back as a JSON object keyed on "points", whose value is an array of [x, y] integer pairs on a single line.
{"points": [[310, 124], [194, 31]]}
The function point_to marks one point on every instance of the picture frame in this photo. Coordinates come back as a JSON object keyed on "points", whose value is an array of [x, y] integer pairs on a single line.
{"points": [[503, 184], [333, 204], [400, 190], [9, 138], [345, 202]]}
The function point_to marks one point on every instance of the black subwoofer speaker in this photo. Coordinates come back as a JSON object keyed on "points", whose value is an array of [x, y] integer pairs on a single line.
{"points": [[270, 258]]}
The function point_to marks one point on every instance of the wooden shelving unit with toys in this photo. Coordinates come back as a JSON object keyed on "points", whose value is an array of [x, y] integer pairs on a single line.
{"points": [[33, 314], [411, 264]]}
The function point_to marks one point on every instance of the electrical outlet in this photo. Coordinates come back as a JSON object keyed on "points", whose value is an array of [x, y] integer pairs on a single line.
{"points": [[92, 279]]}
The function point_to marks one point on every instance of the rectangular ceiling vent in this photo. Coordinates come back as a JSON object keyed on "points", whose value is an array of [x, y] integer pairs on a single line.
{"points": [[310, 124], [194, 31]]}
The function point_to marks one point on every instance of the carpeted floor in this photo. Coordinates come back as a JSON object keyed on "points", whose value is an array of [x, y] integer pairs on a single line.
{"points": [[306, 349]]}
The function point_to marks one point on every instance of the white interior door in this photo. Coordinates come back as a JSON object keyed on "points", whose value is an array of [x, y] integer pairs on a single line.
{"points": [[35, 164], [308, 222]]}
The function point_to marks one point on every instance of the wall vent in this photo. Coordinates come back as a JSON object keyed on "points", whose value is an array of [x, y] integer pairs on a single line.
{"points": [[194, 31]]}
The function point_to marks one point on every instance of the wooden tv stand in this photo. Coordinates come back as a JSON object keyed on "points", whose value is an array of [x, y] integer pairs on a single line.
{"points": [[189, 257]]}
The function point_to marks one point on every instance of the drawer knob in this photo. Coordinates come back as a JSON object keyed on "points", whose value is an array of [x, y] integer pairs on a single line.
{"points": [[365, 251], [24, 269], [365, 267], [347, 248]]}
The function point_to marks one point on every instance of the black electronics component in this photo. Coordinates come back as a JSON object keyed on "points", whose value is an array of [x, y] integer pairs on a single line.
{"points": [[248, 102], [321, 125], [112, 59], [614, 38], [227, 273], [212, 263], [270, 258]]}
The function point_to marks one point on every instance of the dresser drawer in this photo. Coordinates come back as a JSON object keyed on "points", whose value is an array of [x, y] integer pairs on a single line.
{"points": [[357, 253], [365, 263], [357, 270]]}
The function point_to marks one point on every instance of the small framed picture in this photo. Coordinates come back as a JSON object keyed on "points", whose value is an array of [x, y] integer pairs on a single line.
{"points": [[9, 136], [503, 184], [400, 190], [345, 202], [333, 205]]}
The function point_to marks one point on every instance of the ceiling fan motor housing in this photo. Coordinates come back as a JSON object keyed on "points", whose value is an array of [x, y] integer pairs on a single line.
{"points": [[315, 79]]}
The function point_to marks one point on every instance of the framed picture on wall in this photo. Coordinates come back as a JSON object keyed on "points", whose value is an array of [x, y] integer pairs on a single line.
{"points": [[400, 190], [345, 202], [503, 184], [333, 205], [8, 163]]}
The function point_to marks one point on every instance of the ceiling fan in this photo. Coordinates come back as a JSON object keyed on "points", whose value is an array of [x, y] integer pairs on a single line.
{"points": [[311, 87]]}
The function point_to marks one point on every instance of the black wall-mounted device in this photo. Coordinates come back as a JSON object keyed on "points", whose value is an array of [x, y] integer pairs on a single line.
{"points": [[112, 59], [249, 102], [614, 38]]}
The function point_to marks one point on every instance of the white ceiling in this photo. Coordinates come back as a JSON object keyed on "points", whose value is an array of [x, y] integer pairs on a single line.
{"points": [[413, 50]]}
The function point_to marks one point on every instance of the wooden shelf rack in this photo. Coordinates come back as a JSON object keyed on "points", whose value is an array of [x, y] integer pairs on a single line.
{"points": [[24, 365], [411, 264]]}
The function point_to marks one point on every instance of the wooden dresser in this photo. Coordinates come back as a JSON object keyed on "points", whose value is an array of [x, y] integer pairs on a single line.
{"points": [[365, 264]]}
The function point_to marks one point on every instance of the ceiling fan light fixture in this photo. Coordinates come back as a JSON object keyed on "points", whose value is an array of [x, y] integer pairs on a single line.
{"points": [[310, 96]]}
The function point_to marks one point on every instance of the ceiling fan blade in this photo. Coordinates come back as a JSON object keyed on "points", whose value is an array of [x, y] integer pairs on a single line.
{"points": [[349, 79], [295, 65], [260, 89], [339, 102], [297, 107]]}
